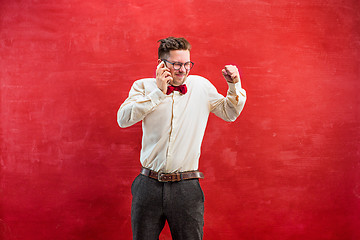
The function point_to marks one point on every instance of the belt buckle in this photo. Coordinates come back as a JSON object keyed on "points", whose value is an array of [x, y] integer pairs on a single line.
{"points": [[160, 174]]}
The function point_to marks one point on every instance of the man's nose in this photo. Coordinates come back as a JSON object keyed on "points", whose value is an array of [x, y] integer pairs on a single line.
{"points": [[182, 68]]}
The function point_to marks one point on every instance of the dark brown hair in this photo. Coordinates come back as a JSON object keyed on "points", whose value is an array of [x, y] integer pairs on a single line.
{"points": [[172, 43]]}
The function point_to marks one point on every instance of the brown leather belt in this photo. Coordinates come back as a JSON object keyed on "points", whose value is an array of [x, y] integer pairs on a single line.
{"points": [[171, 177]]}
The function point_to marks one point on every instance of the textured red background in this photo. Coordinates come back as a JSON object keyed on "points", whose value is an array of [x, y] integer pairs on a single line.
{"points": [[288, 168]]}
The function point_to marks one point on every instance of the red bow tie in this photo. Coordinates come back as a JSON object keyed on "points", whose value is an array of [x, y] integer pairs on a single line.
{"points": [[182, 89]]}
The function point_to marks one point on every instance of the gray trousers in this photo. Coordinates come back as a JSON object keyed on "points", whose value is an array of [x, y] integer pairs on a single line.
{"points": [[179, 203]]}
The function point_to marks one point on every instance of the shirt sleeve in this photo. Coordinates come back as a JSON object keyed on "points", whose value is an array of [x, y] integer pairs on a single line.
{"points": [[229, 107], [138, 104]]}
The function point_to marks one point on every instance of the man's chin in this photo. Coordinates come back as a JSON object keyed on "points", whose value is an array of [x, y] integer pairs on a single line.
{"points": [[178, 81]]}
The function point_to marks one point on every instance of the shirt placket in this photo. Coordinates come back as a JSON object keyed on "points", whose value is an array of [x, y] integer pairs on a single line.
{"points": [[173, 126]]}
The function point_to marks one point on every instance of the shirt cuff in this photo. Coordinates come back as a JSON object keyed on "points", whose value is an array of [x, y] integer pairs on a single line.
{"points": [[236, 89], [157, 96]]}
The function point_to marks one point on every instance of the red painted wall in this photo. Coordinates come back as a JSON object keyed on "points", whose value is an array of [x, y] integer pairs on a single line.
{"points": [[288, 168]]}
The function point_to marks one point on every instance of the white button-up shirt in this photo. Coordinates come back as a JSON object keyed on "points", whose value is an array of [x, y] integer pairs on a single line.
{"points": [[174, 125]]}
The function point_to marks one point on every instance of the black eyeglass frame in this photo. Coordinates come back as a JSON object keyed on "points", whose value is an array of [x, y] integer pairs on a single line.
{"points": [[181, 64]]}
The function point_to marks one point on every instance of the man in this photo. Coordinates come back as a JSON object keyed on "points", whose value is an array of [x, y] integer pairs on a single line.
{"points": [[174, 108]]}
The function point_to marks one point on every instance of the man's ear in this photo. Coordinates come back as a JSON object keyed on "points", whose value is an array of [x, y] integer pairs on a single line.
{"points": [[159, 61]]}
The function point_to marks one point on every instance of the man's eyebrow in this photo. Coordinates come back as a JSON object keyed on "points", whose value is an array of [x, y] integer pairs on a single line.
{"points": [[181, 62]]}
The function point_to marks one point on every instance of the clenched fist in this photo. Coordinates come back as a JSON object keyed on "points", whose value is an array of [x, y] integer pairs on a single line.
{"points": [[231, 74]]}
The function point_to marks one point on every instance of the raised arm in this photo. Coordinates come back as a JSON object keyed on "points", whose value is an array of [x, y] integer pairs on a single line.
{"points": [[138, 104], [229, 107], [144, 96]]}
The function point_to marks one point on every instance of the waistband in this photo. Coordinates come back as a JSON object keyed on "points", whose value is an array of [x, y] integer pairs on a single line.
{"points": [[171, 177]]}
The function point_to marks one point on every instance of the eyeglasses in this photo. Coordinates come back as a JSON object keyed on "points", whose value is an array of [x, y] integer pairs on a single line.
{"points": [[178, 65]]}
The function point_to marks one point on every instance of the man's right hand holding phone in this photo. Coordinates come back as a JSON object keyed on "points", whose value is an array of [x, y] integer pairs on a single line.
{"points": [[163, 77]]}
